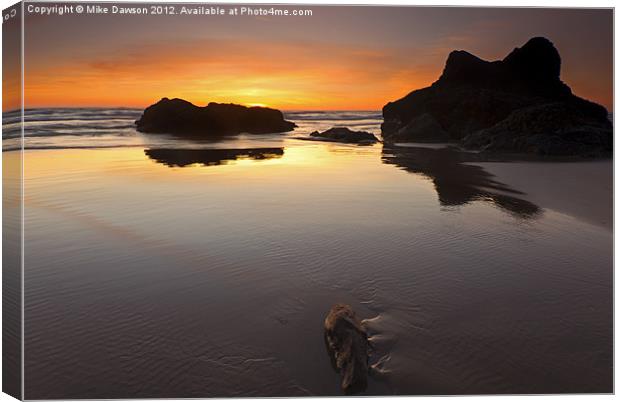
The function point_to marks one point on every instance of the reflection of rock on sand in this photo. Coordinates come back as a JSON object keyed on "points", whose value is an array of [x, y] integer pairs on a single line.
{"points": [[209, 157], [456, 182]]}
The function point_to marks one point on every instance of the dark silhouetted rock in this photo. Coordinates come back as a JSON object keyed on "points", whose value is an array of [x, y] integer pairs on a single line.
{"points": [[475, 101], [559, 128], [174, 157], [177, 116], [422, 128], [343, 134], [348, 346]]}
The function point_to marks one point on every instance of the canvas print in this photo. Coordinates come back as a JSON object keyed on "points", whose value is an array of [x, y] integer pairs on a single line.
{"points": [[229, 200]]}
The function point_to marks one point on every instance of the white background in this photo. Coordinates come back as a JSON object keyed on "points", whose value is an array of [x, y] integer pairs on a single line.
{"points": [[526, 3]]}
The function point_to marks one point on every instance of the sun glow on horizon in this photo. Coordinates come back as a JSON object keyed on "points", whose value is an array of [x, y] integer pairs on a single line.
{"points": [[279, 75], [256, 105]]}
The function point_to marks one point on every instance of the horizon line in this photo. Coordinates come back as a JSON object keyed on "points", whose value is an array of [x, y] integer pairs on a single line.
{"points": [[143, 108]]}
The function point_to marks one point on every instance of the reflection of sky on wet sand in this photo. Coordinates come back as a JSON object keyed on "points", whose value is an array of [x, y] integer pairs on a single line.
{"points": [[456, 182], [164, 264]]}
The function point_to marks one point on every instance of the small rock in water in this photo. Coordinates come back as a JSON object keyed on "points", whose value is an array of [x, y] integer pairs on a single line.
{"points": [[348, 347], [343, 134]]}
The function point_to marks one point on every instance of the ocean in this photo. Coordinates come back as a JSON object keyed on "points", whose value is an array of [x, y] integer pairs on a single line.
{"points": [[163, 267], [115, 128]]}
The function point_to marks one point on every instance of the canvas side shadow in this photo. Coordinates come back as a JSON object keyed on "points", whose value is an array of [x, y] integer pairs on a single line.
{"points": [[173, 157], [456, 181]]}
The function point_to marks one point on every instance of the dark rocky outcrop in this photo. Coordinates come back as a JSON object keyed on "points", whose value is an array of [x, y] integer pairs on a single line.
{"points": [[344, 134], [174, 157], [177, 116], [559, 128], [518, 104], [348, 347]]}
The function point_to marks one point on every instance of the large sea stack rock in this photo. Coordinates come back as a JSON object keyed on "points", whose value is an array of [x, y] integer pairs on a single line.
{"points": [[348, 347], [518, 104], [177, 116]]}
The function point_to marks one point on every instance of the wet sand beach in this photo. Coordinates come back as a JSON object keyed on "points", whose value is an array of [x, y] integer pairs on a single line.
{"points": [[572, 188], [162, 273]]}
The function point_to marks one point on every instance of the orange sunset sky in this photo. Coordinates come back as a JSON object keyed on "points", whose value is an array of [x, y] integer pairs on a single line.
{"points": [[346, 58]]}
